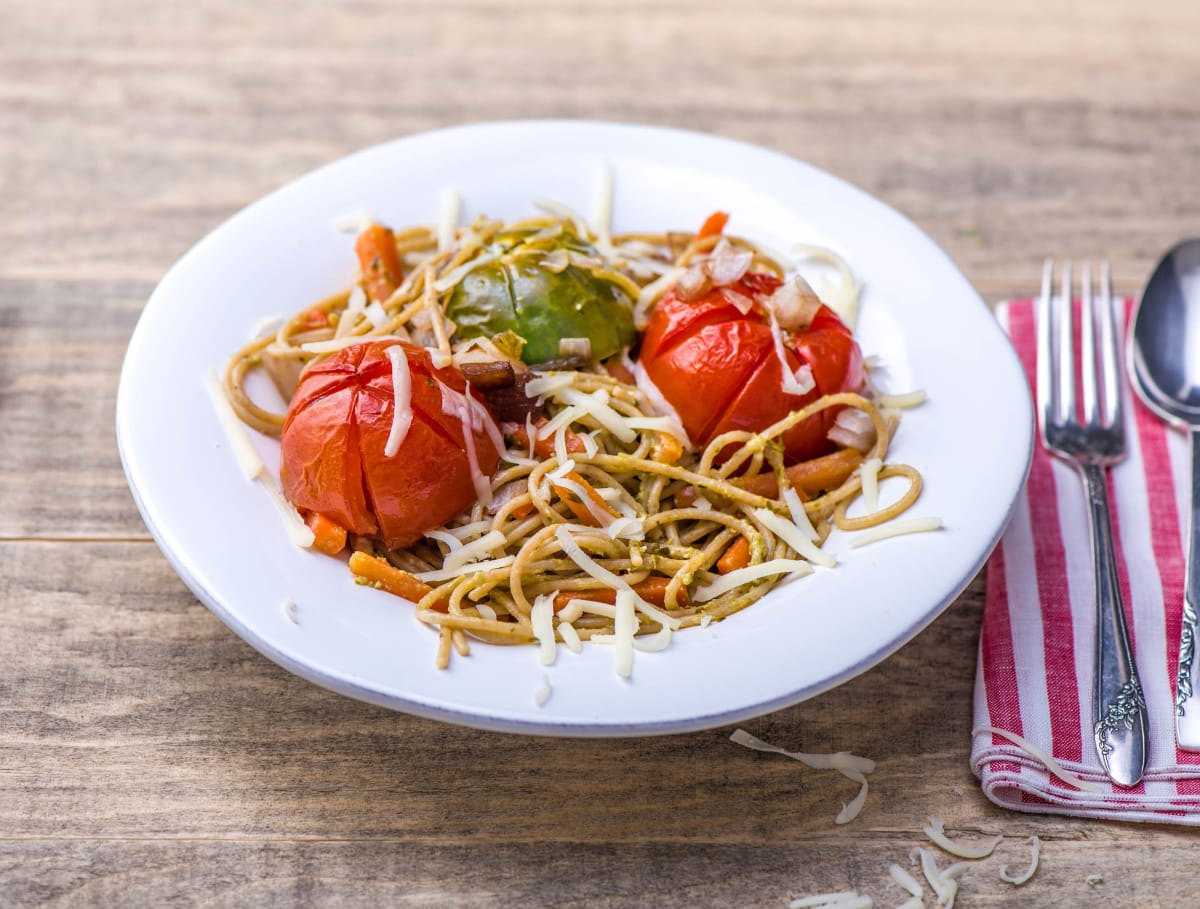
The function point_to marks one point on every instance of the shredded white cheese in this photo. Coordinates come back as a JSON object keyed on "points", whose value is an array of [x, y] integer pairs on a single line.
{"points": [[1093, 879], [268, 325], [849, 765], [289, 609], [542, 695], [1041, 756], [596, 406], [734, 579], [450, 280], [869, 474], [376, 314], [847, 899], [1035, 851], [438, 357], [541, 617], [448, 223], [906, 880], [794, 537], [936, 831], [799, 515], [651, 292], [299, 532], [402, 415], [252, 465], [624, 628], [942, 882], [443, 574], [247, 458], [902, 401], [354, 222], [896, 529], [475, 550], [570, 636]]}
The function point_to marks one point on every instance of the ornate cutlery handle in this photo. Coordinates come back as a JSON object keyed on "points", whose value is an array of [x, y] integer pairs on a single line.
{"points": [[1118, 706], [1187, 698]]}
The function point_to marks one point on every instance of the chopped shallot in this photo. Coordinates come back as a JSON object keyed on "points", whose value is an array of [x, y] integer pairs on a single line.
{"points": [[727, 265], [693, 284], [743, 303], [853, 429], [575, 347], [794, 303]]}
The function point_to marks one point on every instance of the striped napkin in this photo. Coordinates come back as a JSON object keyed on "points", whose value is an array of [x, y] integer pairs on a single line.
{"points": [[1034, 677]]}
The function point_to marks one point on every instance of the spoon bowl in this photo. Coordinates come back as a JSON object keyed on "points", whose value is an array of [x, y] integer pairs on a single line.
{"points": [[1164, 360]]}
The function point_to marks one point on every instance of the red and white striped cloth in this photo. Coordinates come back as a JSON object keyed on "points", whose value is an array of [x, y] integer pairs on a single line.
{"points": [[1035, 673]]}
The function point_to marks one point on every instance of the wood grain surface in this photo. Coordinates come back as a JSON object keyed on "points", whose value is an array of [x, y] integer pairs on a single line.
{"points": [[148, 757]]}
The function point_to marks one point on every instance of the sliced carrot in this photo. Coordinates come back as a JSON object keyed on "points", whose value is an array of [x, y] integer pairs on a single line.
{"points": [[652, 590], [808, 477], [714, 224], [544, 448], [379, 262], [735, 557], [580, 510], [378, 573], [329, 537], [666, 449]]}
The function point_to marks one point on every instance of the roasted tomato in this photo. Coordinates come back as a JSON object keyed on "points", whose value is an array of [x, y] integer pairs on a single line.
{"points": [[336, 433], [545, 290], [719, 368]]}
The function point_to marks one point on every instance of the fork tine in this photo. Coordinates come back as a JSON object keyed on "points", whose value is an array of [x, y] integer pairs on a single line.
{"points": [[1045, 348], [1066, 350], [1110, 359], [1087, 347]]}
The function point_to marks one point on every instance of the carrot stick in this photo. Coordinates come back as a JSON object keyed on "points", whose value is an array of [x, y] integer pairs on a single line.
{"points": [[544, 448], [580, 509], [652, 590], [735, 557], [381, 574], [379, 262], [713, 225], [809, 477], [329, 537]]}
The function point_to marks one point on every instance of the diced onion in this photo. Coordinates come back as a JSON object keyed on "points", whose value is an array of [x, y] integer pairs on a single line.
{"points": [[740, 301], [853, 429], [555, 262], [727, 264], [575, 347], [693, 283], [794, 303]]}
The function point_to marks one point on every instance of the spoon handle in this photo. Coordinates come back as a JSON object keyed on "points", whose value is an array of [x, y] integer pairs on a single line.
{"points": [[1187, 697], [1118, 706]]}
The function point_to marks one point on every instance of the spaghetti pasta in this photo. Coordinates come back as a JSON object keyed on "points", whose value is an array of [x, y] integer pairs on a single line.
{"points": [[598, 492]]}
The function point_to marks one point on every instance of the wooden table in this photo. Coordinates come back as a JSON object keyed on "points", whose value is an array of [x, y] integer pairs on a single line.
{"points": [[148, 757]]}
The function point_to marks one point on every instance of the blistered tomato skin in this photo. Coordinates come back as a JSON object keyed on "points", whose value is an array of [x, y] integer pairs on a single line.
{"points": [[336, 430], [718, 367]]}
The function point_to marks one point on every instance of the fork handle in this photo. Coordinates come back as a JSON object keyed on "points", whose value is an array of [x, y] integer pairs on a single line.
{"points": [[1118, 705]]}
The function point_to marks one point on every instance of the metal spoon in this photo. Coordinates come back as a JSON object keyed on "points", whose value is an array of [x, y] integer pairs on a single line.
{"points": [[1164, 354]]}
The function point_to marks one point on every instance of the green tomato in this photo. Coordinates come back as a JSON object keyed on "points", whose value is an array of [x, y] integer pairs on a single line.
{"points": [[517, 294]]}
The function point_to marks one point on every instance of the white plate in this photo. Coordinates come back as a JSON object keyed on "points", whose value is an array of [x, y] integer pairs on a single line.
{"points": [[971, 440]]}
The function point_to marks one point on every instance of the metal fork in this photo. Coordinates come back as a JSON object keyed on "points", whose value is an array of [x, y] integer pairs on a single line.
{"points": [[1092, 443]]}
